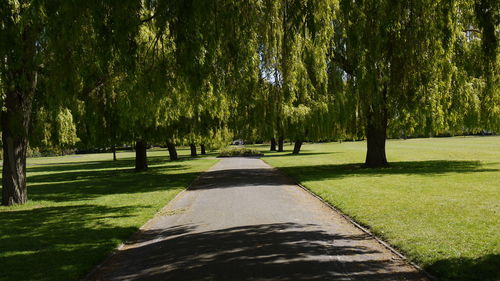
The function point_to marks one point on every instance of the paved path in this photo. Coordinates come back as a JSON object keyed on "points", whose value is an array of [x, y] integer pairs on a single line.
{"points": [[242, 220]]}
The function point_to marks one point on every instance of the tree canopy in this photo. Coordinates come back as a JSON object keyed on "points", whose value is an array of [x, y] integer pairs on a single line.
{"points": [[101, 73]]}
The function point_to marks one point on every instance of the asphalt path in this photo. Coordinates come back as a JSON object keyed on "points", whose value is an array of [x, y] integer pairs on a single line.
{"points": [[243, 220]]}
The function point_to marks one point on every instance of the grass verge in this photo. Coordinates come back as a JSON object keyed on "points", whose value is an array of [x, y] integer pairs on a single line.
{"points": [[81, 207], [438, 202]]}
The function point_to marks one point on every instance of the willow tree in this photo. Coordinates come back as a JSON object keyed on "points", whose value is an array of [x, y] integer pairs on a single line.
{"points": [[397, 59], [53, 130], [470, 102], [308, 116], [37, 44], [191, 55], [216, 54], [294, 42]]}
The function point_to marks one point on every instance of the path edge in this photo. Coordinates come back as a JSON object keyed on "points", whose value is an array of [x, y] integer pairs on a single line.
{"points": [[100, 265], [357, 225]]}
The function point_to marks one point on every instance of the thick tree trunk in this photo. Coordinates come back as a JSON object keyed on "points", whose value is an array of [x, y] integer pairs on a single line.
{"points": [[297, 146], [202, 148], [20, 83], [141, 157], [15, 122], [376, 134], [193, 150], [280, 144], [273, 144], [113, 148], [172, 151]]}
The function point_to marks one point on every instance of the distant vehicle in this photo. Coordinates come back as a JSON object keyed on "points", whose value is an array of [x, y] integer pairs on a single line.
{"points": [[238, 142]]}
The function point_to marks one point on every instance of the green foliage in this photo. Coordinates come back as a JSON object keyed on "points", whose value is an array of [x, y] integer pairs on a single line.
{"points": [[293, 92], [218, 139], [53, 130], [239, 151], [305, 69], [415, 63]]}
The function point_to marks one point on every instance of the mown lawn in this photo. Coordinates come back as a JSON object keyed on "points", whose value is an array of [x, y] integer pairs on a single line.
{"points": [[438, 202], [81, 207]]}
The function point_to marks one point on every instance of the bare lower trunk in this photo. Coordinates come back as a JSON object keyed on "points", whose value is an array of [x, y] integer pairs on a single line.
{"points": [[202, 148], [15, 144], [273, 144], [113, 148], [19, 82], [280, 144], [297, 146], [193, 150], [141, 157], [15, 123], [376, 134], [172, 151]]}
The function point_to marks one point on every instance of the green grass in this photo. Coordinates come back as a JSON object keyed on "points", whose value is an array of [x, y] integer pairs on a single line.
{"points": [[438, 202], [81, 207]]}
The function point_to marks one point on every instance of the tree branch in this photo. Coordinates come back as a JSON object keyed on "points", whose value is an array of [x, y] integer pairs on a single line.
{"points": [[342, 62], [148, 18], [472, 30], [101, 82]]}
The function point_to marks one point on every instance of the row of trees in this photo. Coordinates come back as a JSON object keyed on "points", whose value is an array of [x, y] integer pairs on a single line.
{"points": [[101, 73]]}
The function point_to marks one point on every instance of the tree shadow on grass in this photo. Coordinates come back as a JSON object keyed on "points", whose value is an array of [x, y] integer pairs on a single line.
{"points": [[271, 154], [426, 168], [89, 180], [128, 162], [58, 243], [280, 251], [486, 268]]}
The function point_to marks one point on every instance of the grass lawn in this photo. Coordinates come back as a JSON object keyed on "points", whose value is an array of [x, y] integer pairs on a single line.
{"points": [[438, 202], [81, 207]]}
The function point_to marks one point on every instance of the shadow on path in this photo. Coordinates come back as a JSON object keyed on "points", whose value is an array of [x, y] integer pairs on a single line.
{"points": [[281, 251]]}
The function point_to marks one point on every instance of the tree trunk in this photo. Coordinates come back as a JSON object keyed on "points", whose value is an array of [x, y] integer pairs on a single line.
{"points": [[193, 150], [297, 146], [172, 151], [273, 144], [376, 134], [202, 148], [20, 82], [280, 144], [141, 157], [15, 123], [113, 148]]}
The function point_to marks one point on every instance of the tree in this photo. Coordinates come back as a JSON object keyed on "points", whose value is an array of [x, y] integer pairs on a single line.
{"points": [[38, 45], [397, 60], [53, 130], [292, 92]]}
